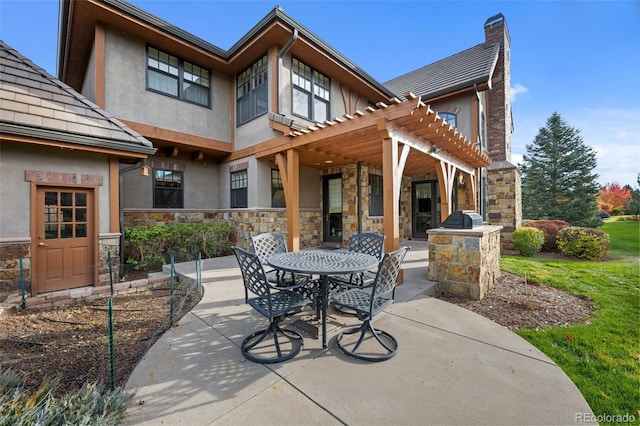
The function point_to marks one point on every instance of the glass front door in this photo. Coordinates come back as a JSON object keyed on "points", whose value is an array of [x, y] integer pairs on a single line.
{"points": [[425, 207]]}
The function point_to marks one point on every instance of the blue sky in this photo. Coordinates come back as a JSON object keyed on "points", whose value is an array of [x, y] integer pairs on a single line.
{"points": [[578, 58]]}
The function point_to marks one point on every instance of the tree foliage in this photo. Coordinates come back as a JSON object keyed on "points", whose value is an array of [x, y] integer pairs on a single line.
{"points": [[632, 205], [613, 197], [558, 181]]}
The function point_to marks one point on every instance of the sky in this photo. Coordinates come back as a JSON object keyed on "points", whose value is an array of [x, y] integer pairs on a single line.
{"points": [[580, 59]]}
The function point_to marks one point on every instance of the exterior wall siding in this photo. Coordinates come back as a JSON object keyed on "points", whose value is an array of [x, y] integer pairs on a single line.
{"points": [[126, 80]]}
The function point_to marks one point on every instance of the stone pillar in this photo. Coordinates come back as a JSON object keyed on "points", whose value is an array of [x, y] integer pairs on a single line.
{"points": [[504, 200], [465, 262]]}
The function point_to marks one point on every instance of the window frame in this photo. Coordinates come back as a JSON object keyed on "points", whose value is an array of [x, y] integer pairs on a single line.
{"points": [[376, 200], [450, 117], [276, 178], [255, 88], [238, 198], [180, 190], [180, 76], [314, 93]]}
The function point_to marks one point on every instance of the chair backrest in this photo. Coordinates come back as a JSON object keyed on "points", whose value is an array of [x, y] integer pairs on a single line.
{"points": [[253, 275], [368, 243], [267, 244], [387, 276]]}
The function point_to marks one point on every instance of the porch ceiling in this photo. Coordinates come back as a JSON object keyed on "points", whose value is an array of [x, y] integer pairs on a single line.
{"points": [[359, 137]]}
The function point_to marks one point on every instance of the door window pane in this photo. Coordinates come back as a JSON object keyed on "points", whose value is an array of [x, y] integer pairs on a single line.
{"points": [[66, 198], [81, 230]]}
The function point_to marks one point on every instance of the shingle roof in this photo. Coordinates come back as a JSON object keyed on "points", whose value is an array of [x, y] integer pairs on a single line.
{"points": [[464, 69], [33, 103]]}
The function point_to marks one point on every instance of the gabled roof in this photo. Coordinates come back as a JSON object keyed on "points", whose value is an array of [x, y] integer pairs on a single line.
{"points": [[459, 71], [34, 104], [77, 19]]}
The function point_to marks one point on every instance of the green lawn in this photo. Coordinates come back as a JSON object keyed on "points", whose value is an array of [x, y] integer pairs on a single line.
{"points": [[602, 357]]}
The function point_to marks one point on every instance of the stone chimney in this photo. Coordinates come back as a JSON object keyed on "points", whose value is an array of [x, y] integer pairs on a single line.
{"points": [[503, 179], [499, 97]]}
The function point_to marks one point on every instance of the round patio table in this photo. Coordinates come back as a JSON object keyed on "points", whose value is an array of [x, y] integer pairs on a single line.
{"points": [[323, 263]]}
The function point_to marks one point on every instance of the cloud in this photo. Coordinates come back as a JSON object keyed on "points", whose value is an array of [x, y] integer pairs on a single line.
{"points": [[517, 90]]}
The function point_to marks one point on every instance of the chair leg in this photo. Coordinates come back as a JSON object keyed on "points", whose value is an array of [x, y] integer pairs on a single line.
{"points": [[253, 340], [390, 347]]}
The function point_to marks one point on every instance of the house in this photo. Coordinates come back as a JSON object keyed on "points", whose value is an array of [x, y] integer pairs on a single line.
{"points": [[59, 160], [282, 133]]}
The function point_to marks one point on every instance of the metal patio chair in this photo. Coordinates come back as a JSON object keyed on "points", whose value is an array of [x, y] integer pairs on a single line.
{"points": [[274, 303], [367, 301], [368, 243]]}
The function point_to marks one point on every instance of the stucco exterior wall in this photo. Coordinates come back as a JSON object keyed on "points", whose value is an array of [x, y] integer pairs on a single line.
{"points": [[461, 106], [15, 191], [201, 186], [127, 97], [89, 83]]}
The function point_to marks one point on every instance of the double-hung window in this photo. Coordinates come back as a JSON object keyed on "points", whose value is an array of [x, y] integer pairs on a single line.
{"points": [[239, 185], [277, 189], [173, 76], [376, 206], [167, 189], [251, 91], [311, 91]]}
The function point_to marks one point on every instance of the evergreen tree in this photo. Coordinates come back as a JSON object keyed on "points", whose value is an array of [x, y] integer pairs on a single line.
{"points": [[632, 206], [557, 176]]}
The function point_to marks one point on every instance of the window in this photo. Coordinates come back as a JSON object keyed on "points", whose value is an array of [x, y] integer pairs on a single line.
{"points": [[277, 189], [310, 92], [251, 91], [450, 118], [376, 206], [167, 189], [174, 77], [239, 184]]}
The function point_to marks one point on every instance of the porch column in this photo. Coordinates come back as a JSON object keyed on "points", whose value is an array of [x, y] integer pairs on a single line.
{"points": [[290, 173], [393, 162], [446, 176]]}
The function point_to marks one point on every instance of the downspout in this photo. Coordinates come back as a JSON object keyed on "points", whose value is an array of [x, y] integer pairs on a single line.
{"points": [[479, 182], [281, 55], [359, 202]]}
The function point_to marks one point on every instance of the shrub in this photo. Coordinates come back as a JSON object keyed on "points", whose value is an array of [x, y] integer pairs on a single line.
{"points": [[602, 214], [148, 246], [550, 229], [92, 405], [583, 243], [527, 240]]}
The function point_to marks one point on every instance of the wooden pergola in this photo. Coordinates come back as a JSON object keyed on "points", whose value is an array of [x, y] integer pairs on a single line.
{"points": [[401, 138]]}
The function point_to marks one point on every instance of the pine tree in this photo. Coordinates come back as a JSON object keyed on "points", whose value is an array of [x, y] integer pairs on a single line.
{"points": [[557, 176], [632, 206]]}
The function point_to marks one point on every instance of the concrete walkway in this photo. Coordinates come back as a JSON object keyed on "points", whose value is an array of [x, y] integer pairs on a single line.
{"points": [[453, 367]]}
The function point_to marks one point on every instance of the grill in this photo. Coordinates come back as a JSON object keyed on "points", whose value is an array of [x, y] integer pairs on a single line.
{"points": [[462, 219]]}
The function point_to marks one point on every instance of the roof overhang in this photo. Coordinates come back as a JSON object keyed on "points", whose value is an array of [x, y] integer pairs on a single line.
{"points": [[79, 18]]}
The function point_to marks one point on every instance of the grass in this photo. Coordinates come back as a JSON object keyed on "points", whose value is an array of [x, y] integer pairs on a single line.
{"points": [[602, 357]]}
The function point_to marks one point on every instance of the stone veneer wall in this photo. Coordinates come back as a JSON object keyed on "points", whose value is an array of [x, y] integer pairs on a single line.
{"points": [[504, 200], [244, 222], [464, 261], [10, 254]]}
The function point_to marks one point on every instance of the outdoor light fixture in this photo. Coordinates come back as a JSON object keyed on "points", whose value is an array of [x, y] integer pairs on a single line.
{"points": [[435, 149]]}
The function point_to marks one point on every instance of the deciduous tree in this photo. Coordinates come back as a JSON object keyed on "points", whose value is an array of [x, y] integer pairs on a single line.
{"points": [[558, 179], [613, 196]]}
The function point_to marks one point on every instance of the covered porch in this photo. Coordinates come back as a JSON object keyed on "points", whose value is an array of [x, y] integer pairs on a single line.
{"points": [[402, 138]]}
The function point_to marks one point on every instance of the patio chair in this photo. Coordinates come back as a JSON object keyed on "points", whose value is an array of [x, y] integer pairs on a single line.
{"points": [[367, 301], [274, 303], [368, 243]]}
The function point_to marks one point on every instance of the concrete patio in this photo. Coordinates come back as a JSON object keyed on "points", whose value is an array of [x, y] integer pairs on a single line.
{"points": [[453, 367]]}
